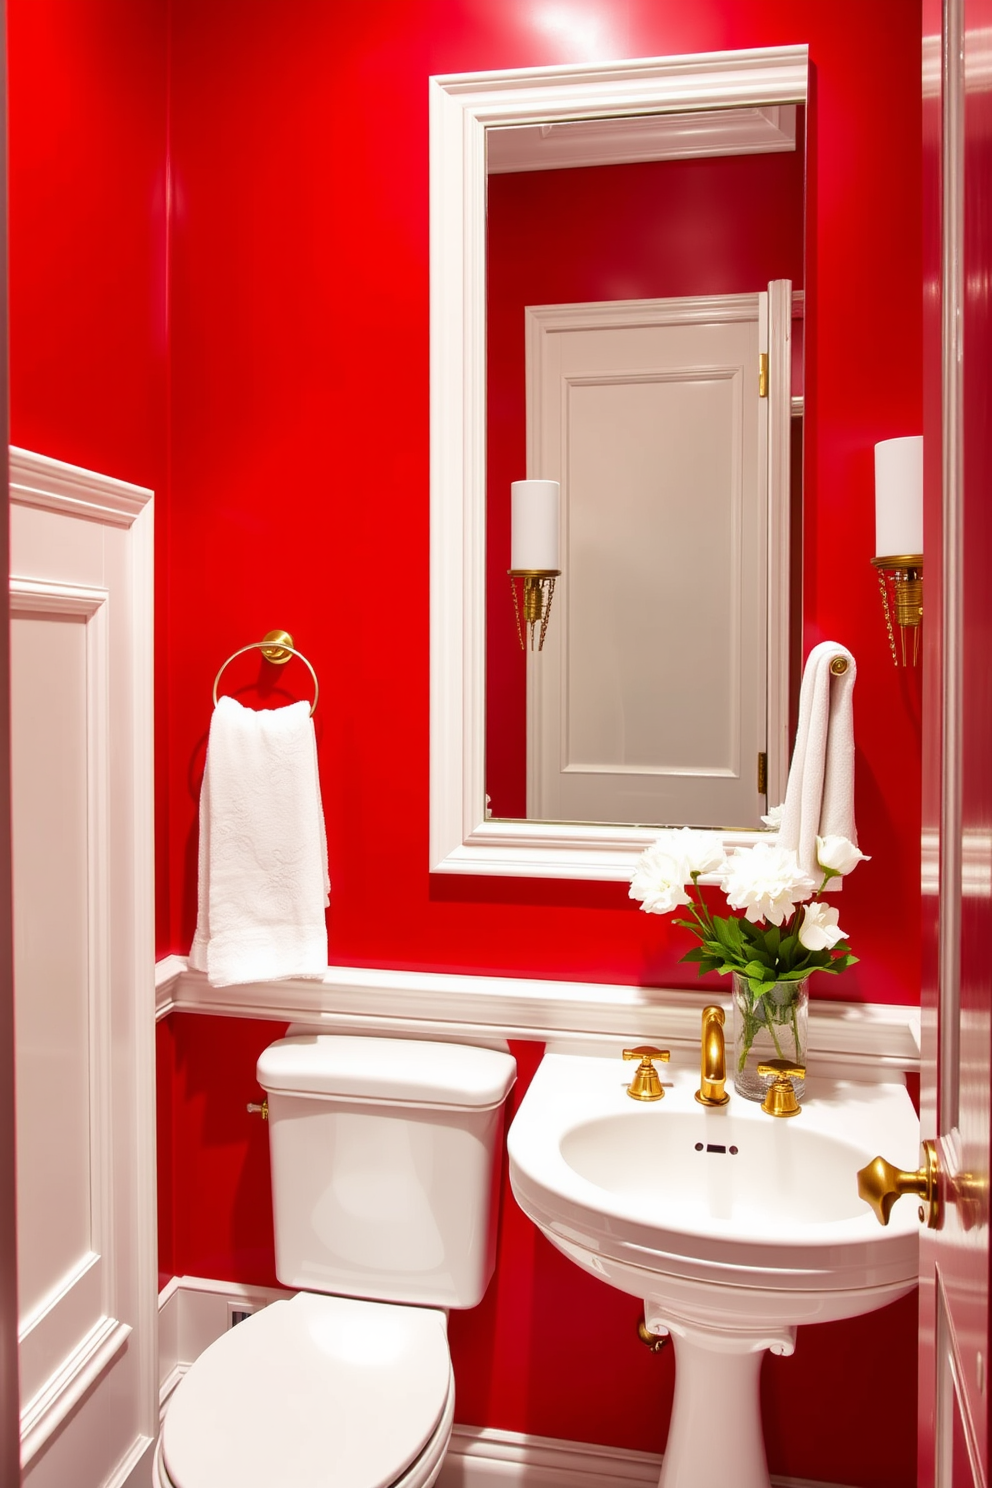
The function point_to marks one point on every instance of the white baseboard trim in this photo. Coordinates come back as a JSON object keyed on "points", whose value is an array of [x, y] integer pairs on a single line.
{"points": [[194, 1311], [871, 1040], [482, 1457]]}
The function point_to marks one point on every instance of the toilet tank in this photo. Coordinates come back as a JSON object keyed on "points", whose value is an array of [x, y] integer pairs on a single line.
{"points": [[386, 1158]]}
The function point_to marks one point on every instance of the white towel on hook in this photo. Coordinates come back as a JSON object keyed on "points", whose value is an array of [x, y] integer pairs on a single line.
{"points": [[819, 798], [263, 881]]}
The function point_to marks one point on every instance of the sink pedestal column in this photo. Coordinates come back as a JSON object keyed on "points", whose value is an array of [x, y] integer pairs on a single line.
{"points": [[715, 1434]]}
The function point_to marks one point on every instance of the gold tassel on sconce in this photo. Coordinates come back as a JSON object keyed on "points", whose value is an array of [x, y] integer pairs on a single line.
{"points": [[532, 607], [899, 530], [900, 581], [534, 547]]}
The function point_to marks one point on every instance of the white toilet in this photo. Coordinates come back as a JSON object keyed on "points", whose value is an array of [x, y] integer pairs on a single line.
{"points": [[385, 1167]]}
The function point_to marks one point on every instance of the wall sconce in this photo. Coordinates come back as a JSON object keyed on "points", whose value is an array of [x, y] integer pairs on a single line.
{"points": [[899, 541], [533, 555]]}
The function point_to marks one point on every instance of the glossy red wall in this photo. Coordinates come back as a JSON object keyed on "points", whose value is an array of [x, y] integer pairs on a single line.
{"points": [[288, 448], [88, 117], [299, 492], [301, 498], [679, 227]]}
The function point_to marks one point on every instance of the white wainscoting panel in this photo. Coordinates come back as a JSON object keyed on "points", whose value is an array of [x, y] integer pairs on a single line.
{"points": [[81, 720], [867, 1039]]}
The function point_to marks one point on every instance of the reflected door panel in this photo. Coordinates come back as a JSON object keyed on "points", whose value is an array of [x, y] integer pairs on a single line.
{"points": [[647, 702]]}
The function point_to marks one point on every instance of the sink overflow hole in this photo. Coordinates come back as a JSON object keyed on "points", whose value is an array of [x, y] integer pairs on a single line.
{"points": [[716, 1147]]}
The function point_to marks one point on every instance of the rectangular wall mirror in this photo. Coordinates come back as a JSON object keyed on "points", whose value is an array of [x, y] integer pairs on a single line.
{"points": [[616, 305]]}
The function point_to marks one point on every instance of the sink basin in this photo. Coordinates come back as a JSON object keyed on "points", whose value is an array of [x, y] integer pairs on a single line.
{"points": [[731, 1225]]}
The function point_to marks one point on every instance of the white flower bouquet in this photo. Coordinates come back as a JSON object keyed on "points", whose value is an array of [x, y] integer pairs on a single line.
{"points": [[784, 934]]}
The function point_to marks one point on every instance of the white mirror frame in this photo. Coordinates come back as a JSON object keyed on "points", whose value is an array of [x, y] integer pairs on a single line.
{"points": [[462, 107]]}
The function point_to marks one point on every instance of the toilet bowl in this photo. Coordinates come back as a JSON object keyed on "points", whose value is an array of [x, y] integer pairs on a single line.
{"points": [[385, 1178], [314, 1392]]}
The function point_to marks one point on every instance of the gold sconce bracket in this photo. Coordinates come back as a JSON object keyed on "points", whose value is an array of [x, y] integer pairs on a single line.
{"points": [[532, 608], [646, 1084], [900, 583]]}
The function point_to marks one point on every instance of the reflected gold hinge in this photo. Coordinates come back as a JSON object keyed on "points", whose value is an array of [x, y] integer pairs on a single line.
{"points": [[762, 774], [763, 374]]}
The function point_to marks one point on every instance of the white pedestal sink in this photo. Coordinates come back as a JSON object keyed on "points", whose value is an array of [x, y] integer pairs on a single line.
{"points": [[732, 1226]]}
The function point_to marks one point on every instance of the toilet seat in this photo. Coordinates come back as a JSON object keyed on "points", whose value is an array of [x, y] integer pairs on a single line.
{"points": [[316, 1392]]}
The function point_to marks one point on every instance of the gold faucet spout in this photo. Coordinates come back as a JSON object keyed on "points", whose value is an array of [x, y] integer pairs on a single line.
{"points": [[713, 1060]]}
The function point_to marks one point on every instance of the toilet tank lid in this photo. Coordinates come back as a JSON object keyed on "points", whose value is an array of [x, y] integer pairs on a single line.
{"points": [[393, 1070]]}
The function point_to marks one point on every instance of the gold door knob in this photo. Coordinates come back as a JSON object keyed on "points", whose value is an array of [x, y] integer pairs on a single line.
{"points": [[646, 1085], [880, 1184], [780, 1097]]}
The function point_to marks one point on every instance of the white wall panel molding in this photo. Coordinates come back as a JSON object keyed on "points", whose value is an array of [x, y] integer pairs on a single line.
{"points": [[864, 1037], [41, 1415], [167, 974], [35, 597], [38, 480], [81, 607]]}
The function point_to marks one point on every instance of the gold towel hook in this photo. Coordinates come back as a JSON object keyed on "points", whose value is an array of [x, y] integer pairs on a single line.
{"points": [[838, 666], [276, 647]]}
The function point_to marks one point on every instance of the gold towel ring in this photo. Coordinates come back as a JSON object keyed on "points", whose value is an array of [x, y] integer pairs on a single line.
{"points": [[276, 647]]}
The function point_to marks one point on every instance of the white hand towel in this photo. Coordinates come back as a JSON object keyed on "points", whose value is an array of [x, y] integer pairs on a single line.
{"points": [[263, 882], [819, 798]]}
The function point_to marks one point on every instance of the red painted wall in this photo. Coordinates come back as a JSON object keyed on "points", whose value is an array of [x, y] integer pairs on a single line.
{"points": [[278, 404], [299, 453], [300, 498], [676, 227], [88, 120]]}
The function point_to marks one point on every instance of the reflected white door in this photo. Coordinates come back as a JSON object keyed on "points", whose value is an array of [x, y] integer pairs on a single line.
{"points": [[649, 701]]}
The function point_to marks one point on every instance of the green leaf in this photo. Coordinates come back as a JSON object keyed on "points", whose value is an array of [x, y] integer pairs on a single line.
{"points": [[838, 964], [758, 989], [755, 972], [773, 936]]}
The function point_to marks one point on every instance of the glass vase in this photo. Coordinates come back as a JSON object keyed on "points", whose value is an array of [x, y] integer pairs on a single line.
{"points": [[772, 1025]]}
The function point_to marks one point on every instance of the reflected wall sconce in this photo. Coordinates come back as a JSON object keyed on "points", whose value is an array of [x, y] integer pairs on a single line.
{"points": [[533, 555], [899, 542]]}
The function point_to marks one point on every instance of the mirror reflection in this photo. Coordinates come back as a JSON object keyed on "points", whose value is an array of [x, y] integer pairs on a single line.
{"points": [[628, 271]]}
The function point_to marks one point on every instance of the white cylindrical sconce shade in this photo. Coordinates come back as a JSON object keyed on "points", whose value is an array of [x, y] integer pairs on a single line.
{"points": [[534, 526], [899, 497]]}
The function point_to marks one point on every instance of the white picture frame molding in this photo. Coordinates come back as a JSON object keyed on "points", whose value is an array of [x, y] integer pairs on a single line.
{"points": [[462, 107]]}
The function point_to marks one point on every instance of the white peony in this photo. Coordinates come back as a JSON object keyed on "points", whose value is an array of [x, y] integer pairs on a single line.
{"points": [[659, 880], [766, 882], [774, 817], [819, 930], [700, 852], [836, 855]]}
